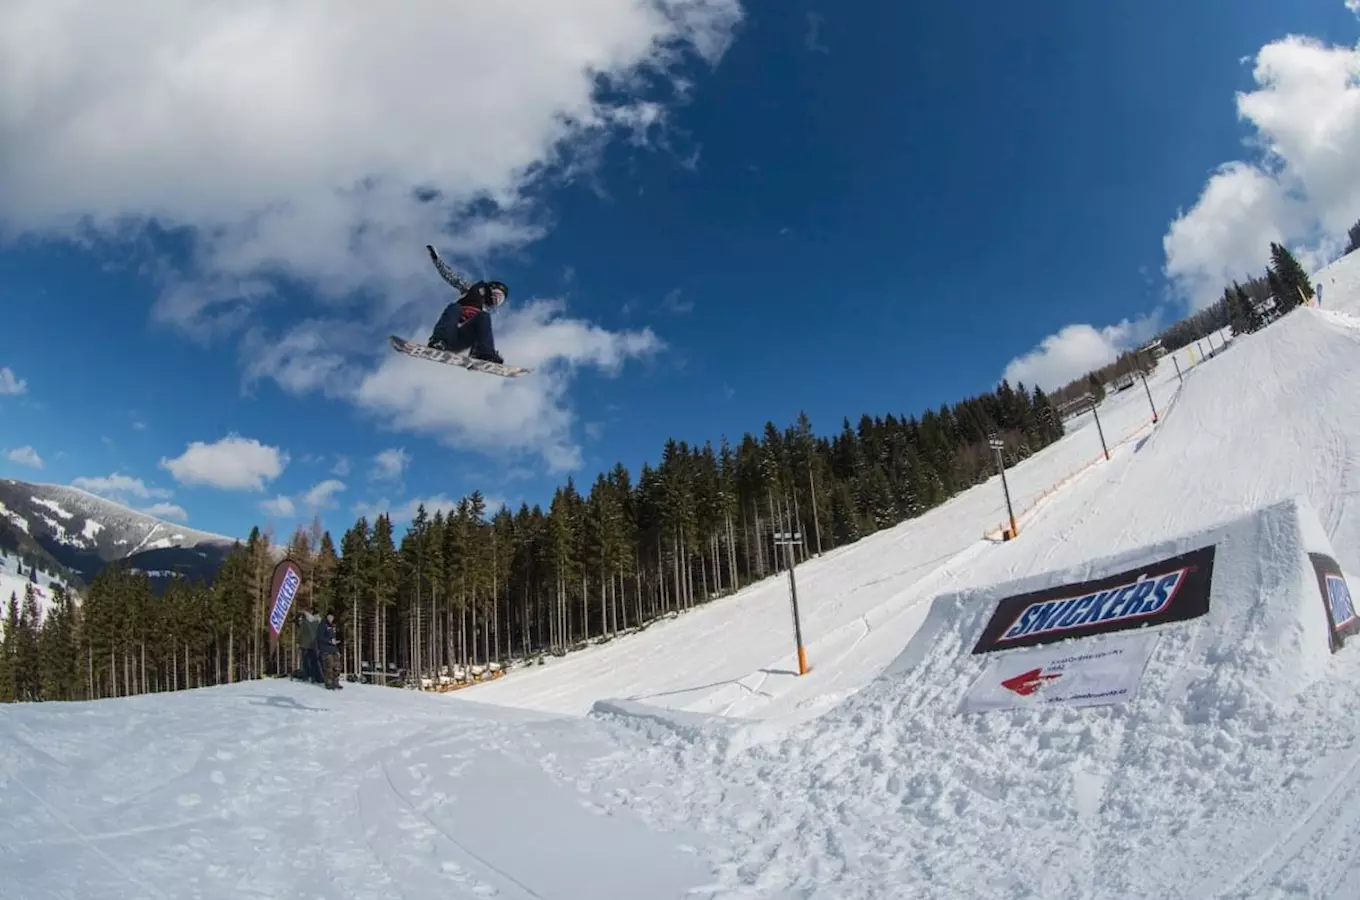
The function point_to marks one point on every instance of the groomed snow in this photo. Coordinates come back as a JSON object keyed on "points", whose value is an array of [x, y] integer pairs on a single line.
{"points": [[737, 656], [282, 790]]}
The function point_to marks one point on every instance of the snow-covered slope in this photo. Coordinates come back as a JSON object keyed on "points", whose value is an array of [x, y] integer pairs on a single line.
{"points": [[14, 583], [84, 532], [1340, 283], [282, 790], [737, 656]]}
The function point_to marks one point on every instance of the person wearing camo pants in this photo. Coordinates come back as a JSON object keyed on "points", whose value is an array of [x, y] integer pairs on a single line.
{"points": [[328, 646]]}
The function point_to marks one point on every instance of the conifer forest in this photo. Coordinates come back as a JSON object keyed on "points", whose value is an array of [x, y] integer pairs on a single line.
{"points": [[471, 585]]}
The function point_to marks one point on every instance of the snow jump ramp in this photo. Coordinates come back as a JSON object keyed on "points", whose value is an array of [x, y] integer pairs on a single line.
{"points": [[1258, 602]]}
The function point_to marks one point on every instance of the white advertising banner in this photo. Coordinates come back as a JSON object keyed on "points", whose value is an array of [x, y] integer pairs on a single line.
{"points": [[1078, 673]]}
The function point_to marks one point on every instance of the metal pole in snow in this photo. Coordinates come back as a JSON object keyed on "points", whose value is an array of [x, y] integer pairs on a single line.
{"points": [[1100, 431], [1179, 376], [787, 539], [996, 444], [1149, 394]]}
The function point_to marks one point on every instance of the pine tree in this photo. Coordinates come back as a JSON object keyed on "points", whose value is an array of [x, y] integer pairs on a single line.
{"points": [[1292, 277], [1353, 234], [9, 652]]}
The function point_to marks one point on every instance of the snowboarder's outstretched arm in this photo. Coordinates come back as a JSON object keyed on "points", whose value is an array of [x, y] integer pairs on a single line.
{"points": [[452, 277]]}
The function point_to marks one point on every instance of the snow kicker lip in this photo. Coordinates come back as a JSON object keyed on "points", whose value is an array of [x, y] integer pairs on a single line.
{"points": [[1175, 589]]}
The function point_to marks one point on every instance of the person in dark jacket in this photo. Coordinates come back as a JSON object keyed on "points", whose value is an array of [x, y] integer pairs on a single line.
{"points": [[466, 323], [328, 646], [307, 624]]}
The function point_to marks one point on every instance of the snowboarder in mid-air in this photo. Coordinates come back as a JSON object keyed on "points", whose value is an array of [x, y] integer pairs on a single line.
{"points": [[466, 323]]}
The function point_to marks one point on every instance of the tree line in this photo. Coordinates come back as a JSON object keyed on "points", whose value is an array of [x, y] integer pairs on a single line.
{"points": [[1245, 306], [470, 585]]}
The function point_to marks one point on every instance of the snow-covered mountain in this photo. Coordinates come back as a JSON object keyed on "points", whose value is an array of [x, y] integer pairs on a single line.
{"points": [[84, 533]]}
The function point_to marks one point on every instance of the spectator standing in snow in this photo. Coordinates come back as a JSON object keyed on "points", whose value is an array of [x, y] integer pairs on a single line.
{"points": [[308, 625], [328, 646]]}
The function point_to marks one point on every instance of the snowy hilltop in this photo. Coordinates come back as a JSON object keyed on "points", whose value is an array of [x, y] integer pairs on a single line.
{"points": [[1146, 693], [83, 533]]}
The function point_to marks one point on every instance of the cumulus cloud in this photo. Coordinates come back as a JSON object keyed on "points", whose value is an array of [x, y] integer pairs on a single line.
{"points": [[234, 464], [501, 415], [323, 146], [280, 507], [320, 496], [1302, 190], [390, 464], [172, 511], [118, 485], [1075, 350], [26, 456], [10, 383]]}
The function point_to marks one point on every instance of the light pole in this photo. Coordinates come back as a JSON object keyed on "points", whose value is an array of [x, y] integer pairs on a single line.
{"points": [[1143, 375], [996, 444], [787, 540], [1091, 401]]}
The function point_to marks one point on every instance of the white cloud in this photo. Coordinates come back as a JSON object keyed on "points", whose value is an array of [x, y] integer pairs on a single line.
{"points": [[10, 383], [117, 485], [341, 467], [234, 463], [505, 416], [26, 456], [1302, 191], [390, 464], [1076, 350], [360, 108], [320, 496], [171, 511], [280, 507], [1353, 6]]}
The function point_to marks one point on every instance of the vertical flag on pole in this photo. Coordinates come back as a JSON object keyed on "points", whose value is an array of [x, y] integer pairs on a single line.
{"points": [[283, 589]]}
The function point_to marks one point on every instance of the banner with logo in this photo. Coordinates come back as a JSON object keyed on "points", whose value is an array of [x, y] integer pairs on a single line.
{"points": [[283, 590], [1102, 672], [1342, 618], [1169, 590]]}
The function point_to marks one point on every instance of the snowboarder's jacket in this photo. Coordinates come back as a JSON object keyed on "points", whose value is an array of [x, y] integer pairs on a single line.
{"points": [[467, 306]]}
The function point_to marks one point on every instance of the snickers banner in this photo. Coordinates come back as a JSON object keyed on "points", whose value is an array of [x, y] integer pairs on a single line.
{"points": [[282, 591], [1342, 619], [1169, 590]]}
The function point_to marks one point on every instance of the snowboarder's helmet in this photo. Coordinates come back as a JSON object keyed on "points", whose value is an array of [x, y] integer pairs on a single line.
{"points": [[497, 293]]}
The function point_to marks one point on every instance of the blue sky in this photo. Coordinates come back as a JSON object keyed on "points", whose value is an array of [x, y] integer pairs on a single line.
{"points": [[838, 208]]}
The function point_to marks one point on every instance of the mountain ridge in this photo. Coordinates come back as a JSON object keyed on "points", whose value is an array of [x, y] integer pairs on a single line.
{"points": [[83, 533]]}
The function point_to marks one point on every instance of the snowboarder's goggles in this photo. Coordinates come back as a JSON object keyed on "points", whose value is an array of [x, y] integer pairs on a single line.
{"points": [[497, 296]]}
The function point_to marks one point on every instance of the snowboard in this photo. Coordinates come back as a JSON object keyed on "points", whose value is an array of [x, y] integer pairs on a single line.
{"points": [[463, 360]]}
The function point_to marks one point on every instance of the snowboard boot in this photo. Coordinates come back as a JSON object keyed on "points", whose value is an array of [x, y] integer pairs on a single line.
{"points": [[487, 356]]}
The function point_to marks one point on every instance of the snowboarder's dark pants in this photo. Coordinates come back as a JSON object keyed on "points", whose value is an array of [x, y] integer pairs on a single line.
{"points": [[475, 333], [311, 666]]}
